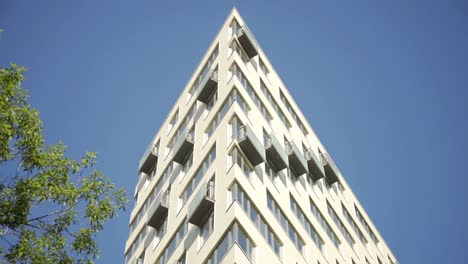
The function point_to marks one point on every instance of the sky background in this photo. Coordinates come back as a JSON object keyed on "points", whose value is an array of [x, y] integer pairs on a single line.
{"points": [[384, 84]]}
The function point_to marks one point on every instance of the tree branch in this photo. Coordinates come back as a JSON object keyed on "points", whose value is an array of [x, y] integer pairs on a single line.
{"points": [[49, 214]]}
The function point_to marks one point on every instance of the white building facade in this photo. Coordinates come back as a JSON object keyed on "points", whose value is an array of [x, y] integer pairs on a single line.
{"points": [[237, 175]]}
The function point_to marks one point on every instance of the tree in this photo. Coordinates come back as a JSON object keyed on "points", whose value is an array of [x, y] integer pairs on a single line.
{"points": [[51, 206]]}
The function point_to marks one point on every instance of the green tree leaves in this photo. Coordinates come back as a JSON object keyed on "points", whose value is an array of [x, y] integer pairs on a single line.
{"points": [[51, 206]]}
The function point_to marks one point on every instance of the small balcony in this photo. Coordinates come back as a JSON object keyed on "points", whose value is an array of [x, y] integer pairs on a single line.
{"points": [[202, 204], [158, 210], [183, 146], [331, 170], [275, 152], [149, 159], [315, 165], [296, 160], [251, 146], [247, 41], [207, 86]]}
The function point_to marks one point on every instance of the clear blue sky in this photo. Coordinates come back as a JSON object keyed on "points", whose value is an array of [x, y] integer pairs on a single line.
{"points": [[384, 84]]}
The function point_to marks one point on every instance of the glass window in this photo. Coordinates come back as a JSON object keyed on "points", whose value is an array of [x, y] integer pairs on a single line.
{"points": [[207, 228]]}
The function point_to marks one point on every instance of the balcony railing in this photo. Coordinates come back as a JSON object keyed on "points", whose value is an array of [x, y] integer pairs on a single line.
{"points": [[331, 170], [149, 159], [158, 210], [250, 145], [202, 204], [275, 152], [296, 160], [206, 87], [183, 145], [315, 165], [248, 42]]}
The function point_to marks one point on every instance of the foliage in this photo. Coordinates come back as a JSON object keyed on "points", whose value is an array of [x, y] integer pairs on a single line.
{"points": [[52, 206]]}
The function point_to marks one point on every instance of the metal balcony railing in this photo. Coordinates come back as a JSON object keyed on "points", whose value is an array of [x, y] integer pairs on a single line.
{"points": [[202, 204], [275, 152], [207, 85], [183, 145], [315, 165], [247, 41], [296, 160], [331, 170], [149, 159], [250, 145], [159, 209]]}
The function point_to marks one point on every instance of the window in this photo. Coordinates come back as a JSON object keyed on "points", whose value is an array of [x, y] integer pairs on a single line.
{"points": [[318, 215], [175, 241], [287, 226], [237, 158], [263, 67], [205, 70], [233, 97], [192, 184], [234, 235], [366, 226], [212, 101], [159, 233], [305, 223], [253, 95], [293, 113], [150, 198], [136, 243], [266, 92], [238, 195], [186, 164], [294, 178], [233, 28], [340, 225], [207, 228], [273, 173], [353, 224], [182, 128], [173, 121]]}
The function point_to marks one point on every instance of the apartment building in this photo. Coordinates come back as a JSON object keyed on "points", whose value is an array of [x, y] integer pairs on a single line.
{"points": [[237, 175]]}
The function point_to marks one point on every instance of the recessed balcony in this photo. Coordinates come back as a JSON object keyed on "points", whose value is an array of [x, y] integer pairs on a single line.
{"points": [[183, 146], [202, 204], [149, 159], [251, 146], [331, 170], [247, 41], [296, 160], [158, 210], [315, 165], [207, 86], [275, 152]]}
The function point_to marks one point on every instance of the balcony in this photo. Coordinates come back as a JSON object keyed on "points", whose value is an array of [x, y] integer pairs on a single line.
{"points": [[247, 41], [183, 146], [315, 165], [331, 170], [251, 146], [207, 85], [158, 210], [149, 159], [202, 204], [275, 153], [296, 160]]}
